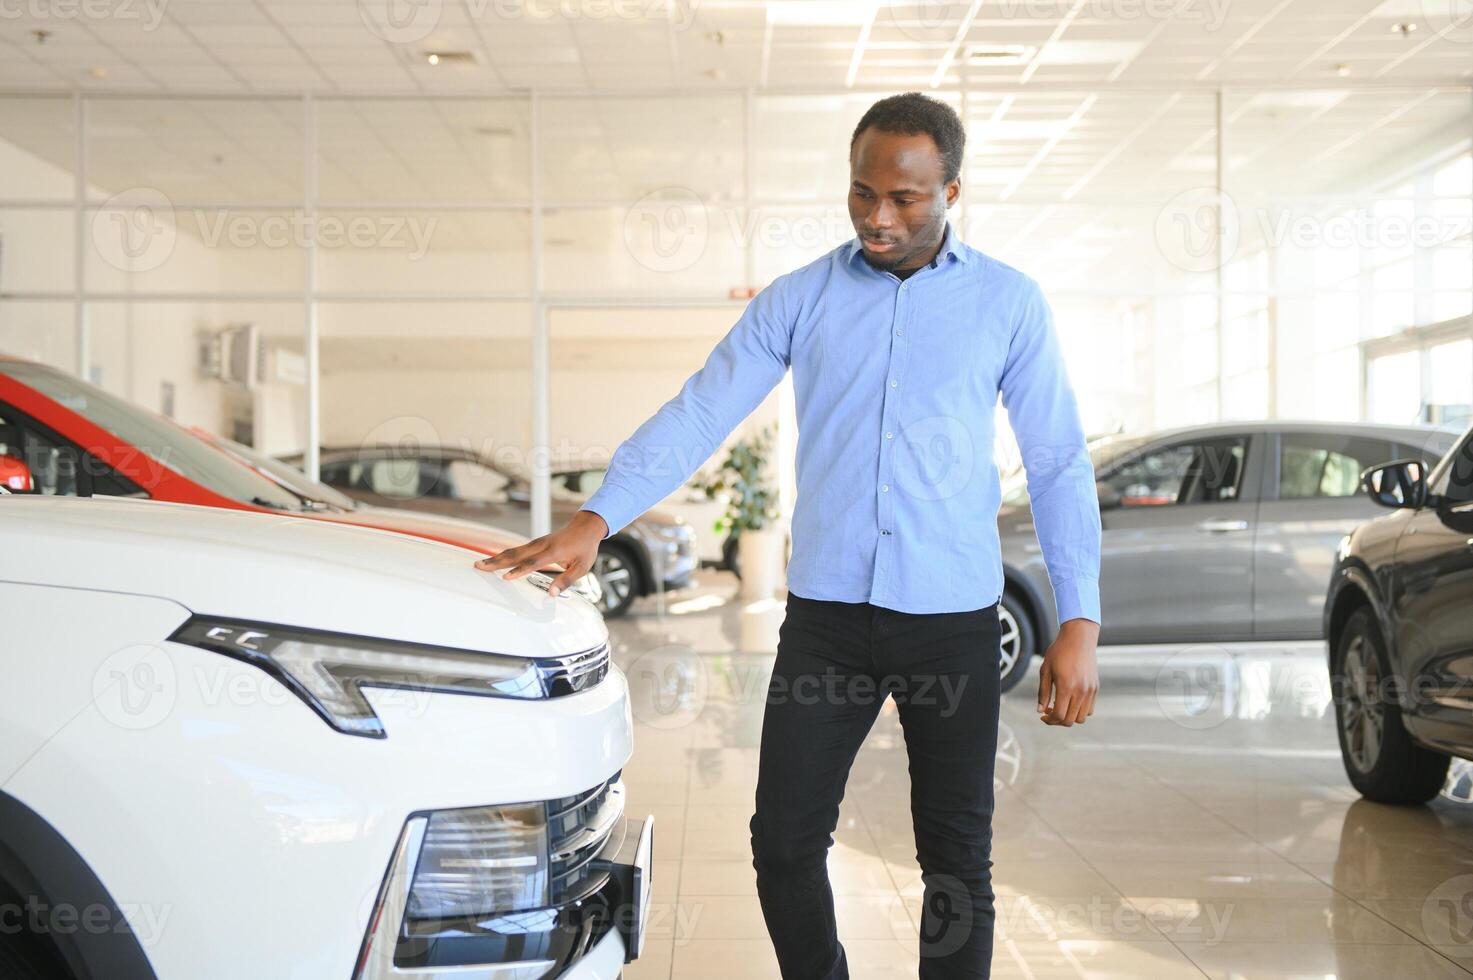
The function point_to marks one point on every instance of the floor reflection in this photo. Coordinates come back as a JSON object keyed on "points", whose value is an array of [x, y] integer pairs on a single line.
{"points": [[1199, 825]]}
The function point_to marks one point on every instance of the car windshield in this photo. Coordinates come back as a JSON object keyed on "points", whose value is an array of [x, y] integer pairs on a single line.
{"points": [[288, 476], [1103, 453], [161, 439]]}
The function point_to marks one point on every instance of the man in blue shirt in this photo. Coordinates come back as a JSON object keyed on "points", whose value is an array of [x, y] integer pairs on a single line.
{"points": [[900, 343]]}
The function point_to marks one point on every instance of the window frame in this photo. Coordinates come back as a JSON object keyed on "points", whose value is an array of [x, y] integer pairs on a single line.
{"points": [[1276, 487], [85, 461], [1247, 492]]}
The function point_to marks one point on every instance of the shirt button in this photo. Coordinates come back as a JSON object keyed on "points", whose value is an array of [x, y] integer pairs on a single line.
{"points": [[884, 532], [899, 332], [894, 383], [889, 435], [884, 488]]}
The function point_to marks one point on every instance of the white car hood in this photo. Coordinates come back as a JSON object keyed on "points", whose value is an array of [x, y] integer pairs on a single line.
{"points": [[290, 571]]}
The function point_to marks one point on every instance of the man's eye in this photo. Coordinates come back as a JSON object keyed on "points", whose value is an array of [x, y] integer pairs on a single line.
{"points": [[905, 204]]}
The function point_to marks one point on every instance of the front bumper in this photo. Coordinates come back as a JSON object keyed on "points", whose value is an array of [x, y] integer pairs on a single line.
{"points": [[590, 935]]}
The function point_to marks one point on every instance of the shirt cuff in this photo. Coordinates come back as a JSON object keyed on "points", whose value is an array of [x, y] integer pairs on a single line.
{"points": [[1077, 599], [615, 505]]}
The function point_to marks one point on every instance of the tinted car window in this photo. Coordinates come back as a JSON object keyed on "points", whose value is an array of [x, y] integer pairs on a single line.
{"points": [[1182, 473], [154, 435], [293, 478], [1456, 483], [1314, 465], [341, 473], [54, 466], [403, 477], [468, 480], [1103, 454]]}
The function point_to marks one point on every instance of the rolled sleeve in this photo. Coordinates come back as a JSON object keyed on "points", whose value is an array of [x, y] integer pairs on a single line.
{"points": [[1044, 416], [738, 374]]}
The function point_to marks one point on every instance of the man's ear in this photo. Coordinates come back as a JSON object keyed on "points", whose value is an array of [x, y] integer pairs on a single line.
{"points": [[954, 191]]}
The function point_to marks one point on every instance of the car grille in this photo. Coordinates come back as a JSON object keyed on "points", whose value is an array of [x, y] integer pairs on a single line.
{"points": [[576, 672], [579, 829]]}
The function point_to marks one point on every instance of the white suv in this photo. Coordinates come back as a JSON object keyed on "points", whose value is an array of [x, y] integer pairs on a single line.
{"points": [[235, 745]]}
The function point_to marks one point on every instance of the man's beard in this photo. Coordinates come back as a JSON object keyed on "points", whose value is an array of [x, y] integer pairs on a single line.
{"points": [[891, 261]]}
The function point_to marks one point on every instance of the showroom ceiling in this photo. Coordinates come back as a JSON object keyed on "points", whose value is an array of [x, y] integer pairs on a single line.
{"points": [[1098, 115], [378, 46]]}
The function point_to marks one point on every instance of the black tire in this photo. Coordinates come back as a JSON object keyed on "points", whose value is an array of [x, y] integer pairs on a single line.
{"points": [[24, 957], [1018, 643], [618, 576], [730, 556], [1382, 761]]}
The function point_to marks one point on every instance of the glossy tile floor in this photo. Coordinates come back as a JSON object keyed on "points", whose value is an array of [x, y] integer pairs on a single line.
{"points": [[1199, 825]]}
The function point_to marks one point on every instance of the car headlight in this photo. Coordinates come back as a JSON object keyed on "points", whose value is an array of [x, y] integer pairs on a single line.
{"points": [[329, 671]]}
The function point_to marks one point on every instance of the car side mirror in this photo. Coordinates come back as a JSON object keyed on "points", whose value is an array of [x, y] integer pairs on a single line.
{"points": [[1399, 483], [1109, 497], [15, 475]]}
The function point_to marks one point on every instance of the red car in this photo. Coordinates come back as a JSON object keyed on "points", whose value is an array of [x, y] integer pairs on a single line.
{"points": [[61, 435]]}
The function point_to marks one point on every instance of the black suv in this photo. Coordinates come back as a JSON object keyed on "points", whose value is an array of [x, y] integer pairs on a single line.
{"points": [[1399, 618]]}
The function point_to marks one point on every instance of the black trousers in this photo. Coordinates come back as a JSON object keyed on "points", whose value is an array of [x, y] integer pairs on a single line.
{"points": [[836, 663]]}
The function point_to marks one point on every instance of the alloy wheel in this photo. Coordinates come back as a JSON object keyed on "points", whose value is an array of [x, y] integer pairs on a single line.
{"points": [[1011, 645], [617, 579], [1363, 717]]}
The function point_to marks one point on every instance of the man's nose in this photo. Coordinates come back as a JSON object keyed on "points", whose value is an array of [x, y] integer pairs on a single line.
{"points": [[881, 216]]}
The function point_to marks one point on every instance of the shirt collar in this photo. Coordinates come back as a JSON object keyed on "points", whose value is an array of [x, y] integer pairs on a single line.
{"points": [[951, 245]]}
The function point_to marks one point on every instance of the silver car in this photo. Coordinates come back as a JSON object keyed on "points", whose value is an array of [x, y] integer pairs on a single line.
{"points": [[1210, 533]]}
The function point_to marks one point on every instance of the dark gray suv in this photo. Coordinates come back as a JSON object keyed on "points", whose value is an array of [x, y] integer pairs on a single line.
{"points": [[1210, 533]]}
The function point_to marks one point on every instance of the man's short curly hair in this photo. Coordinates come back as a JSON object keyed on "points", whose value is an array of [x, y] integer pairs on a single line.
{"points": [[911, 114]]}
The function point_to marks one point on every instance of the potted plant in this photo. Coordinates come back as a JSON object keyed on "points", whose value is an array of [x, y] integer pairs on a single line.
{"points": [[751, 512]]}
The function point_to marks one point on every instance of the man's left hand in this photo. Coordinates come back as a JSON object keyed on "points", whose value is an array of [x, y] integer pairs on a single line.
{"points": [[1069, 678]]}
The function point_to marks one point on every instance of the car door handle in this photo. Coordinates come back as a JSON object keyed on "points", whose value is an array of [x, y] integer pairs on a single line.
{"points": [[1218, 525]]}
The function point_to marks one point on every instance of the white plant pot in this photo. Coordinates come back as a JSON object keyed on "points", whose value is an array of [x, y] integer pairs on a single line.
{"points": [[761, 555]]}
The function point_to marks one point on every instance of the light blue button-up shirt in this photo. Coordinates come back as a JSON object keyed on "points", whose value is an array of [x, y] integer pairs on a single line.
{"points": [[896, 385]]}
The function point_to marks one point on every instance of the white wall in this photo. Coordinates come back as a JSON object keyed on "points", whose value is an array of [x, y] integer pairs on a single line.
{"points": [[135, 348]]}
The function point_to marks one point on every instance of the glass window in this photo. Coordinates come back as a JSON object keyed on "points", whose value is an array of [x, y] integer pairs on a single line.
{"points": [[157, 437], [288, 476], [1456, 482], [341, 473], [31, 462], [405, 478], [1184, 473], [1326, 465], [468, 480]]}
